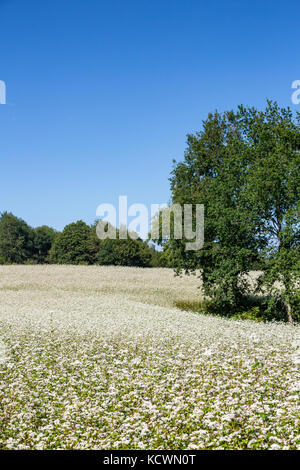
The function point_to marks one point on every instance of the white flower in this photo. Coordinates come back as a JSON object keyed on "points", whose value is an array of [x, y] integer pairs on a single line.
{"points": [[99, 358]]}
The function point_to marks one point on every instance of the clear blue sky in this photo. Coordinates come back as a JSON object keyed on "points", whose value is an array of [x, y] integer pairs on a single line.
{"points": [[101, 94]]}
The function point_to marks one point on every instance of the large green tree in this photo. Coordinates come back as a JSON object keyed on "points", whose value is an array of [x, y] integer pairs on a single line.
{"points": [[44, 237], [273, 188], [124, 253], [244, 167], [71, 245], [119, 252], [16, 239]]}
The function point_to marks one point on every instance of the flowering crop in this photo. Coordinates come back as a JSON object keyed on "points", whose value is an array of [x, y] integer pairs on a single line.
{"points": [[98, 358]]}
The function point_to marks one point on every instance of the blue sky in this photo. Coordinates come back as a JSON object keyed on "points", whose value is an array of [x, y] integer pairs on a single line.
{"points": [[101, 94]]}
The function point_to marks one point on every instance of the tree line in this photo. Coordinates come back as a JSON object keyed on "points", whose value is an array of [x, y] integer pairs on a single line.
{"points": [[76, 244]]}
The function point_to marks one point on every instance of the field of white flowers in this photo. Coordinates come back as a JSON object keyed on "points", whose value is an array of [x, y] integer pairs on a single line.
{"points": [[99, 358]]}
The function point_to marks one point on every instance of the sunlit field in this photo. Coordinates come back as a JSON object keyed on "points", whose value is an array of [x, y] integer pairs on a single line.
{"points": [[99, 358]]}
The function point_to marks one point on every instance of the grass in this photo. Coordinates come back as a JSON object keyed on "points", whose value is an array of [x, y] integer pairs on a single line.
{"points": [[253, 313]]}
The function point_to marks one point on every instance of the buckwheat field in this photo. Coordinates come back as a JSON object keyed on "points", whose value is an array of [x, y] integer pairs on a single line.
{"points": [[98, 358]]}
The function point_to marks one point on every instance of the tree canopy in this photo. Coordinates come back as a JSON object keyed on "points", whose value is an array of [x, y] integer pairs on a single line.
{"points": [[70, 246], [78, 243], [44, 237], [16, 239], [244, 167]]}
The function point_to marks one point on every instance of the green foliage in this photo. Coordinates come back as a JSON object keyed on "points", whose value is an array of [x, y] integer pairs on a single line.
{"points": [[282, 271], [121, 252], [16, 239], [273, 188], [106, 254], [70, 246], [43, 239], [156, 260], [254, 308], [78, 243], [124, 253], [188, 306], [167, 256], [244, 167]]}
